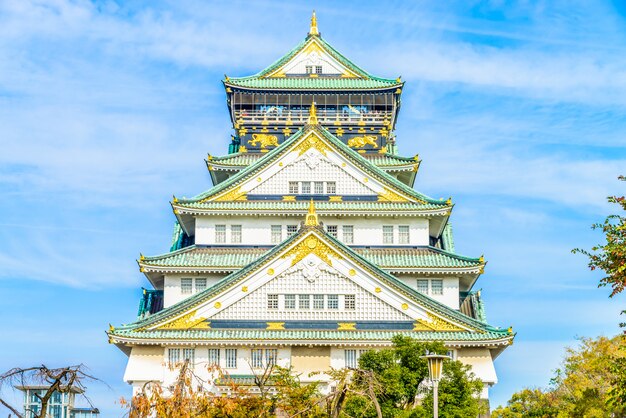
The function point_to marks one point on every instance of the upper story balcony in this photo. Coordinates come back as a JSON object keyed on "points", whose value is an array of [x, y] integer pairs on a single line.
{"points": [[281, 115]]}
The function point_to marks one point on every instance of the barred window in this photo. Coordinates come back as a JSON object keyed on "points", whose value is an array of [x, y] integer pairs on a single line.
{"points": [[349, 302], [220, 234], [387, 234], [271, 356], [235, 234], [173, 355], [293, 187], [348, 234], [422, 286], [214, 356], [350, 358], [186, 286], [231, 358], [318, 187], [189, 355], [436, 287], [277, 234], [318, 69], [290, 301], [200, 285], [403, 234], [331, 187], [306, 187], [291, 229], [304, 302], [309, 69], [272, 301], [333, 302], [257, 357], [332, 230], [318, 301]]}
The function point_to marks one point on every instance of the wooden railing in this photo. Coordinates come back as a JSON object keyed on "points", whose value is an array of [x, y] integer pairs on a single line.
{"points": [[299, 117]]}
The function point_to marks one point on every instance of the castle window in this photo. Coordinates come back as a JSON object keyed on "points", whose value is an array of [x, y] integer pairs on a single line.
{"points": [[272, 301], [200, 285], [220, 234], [422, 286], [318, 187], [257, 357], [331, 187], [387, 234], [332, 230], [318, 301], [349, 302], [290, 301], [271, 355], [318, 69], [333, 301], [231, 358], [403, 234], [277, 234], [304, 302], [214, 356], [293, 187], [436, 287], [348, 234], [306, 187], [186, 286], [189, 355], [173, 356], [351, 359], [235, 234], [309, 69], [291, 229]]}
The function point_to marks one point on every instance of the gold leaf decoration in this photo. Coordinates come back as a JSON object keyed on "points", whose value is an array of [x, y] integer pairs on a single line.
{"points": [[390, 196], [187, 321], [275, 325], [312, 142], [232, 195], [312, 245], [435, 323], [346, 326]]}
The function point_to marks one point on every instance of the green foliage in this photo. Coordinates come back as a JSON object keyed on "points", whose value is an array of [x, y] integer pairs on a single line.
{"points": [[582, 387]]}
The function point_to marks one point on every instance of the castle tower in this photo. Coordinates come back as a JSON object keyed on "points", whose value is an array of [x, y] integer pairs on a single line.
{"points": [[312, 246]]}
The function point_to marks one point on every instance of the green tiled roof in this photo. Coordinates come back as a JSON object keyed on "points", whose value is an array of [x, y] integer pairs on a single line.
{"points": [[261, 81], [341, 147], [308, 335], [300, 207], [236, 277], [420, 257]]}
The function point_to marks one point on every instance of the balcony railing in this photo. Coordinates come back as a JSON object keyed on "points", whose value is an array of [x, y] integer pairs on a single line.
{"points": [[299, 117]]}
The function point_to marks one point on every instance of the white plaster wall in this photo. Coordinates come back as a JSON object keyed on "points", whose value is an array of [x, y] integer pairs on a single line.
{"points": [[257, 230], [481, 361], [450, 295], [172, 290], [145, 364]]}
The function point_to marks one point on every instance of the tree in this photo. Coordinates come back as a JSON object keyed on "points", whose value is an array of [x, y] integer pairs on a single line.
{"points": [[62, 379], [580, 388]]}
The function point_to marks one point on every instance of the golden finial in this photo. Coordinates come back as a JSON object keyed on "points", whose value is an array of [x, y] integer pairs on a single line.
{"points": [[142, 257], [175, 199], [312, 115], [481, 259], [311, 217], [111, 328], [313, 30], [449, 201]]}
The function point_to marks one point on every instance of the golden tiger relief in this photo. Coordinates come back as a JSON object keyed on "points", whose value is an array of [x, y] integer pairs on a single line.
{"points": [[264, 140], [361, 141]]}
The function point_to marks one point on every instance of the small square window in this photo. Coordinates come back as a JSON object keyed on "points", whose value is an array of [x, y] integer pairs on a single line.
{"points": [[200, 285], [333, 302], [220, 234], [331, 187], [387, 234], [348, 234], [291, 229], [318, 187], [318, 301], [272, 301], [332, 230], [318, 69], [290, 301], [235, 234], [277, 234], [349, 302], [309, 69], [403, 234], [436, 287], [231, 358], [293, 187], [186, 286], [422, 286], [306, 187], [304, 302]]}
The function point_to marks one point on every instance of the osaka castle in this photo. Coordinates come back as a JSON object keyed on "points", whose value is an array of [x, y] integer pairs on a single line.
{"points": [[311, 246]]}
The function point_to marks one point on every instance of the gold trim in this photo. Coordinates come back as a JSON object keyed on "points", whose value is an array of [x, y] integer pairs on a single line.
{"points": [[435, 323], [275, 325], [312, 244], [378, 290], [346, 326], [311, 218], [270, 271], [352, 272], [335, 198], [405, 306], [312, 142], [232, 195], [218, 305], [390, 196], [187, 321], [289, 198], [313, 29], [244, 289]]}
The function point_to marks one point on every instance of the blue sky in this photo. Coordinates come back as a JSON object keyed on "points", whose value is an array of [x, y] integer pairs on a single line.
{"points": [[108, 108]]}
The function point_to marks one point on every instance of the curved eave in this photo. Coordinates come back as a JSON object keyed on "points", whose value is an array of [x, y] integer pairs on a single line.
{"points": [[382, 89]]}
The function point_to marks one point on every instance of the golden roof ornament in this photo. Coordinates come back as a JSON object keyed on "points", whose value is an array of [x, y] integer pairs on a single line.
{"points": [[313, 30], [311, 217], [312, 115]]}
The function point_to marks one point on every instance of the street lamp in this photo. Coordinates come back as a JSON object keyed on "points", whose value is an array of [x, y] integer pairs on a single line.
{"points": [[435, 368]]}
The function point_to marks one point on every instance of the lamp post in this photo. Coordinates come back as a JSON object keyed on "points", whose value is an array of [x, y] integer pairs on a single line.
{"points": [[435, 368]]}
